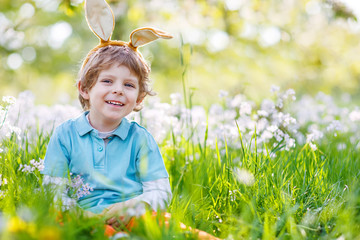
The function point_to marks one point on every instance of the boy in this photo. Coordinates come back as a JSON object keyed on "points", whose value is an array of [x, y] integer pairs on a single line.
{"points": [[119, 159]]}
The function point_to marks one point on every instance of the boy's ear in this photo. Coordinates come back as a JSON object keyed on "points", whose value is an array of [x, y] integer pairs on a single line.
{"points": [[140, 98], [83, 93]]}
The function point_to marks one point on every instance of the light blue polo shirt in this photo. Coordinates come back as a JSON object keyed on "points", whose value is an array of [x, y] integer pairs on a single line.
{"points": [[115, 173]]}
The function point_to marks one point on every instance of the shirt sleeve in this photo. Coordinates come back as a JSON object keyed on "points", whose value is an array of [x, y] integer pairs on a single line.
{"points": [[149, 162], [57, 156], [156, 193]]}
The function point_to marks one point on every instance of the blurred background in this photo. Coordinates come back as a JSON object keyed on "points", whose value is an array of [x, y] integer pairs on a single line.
{"points": [[241, 46]]}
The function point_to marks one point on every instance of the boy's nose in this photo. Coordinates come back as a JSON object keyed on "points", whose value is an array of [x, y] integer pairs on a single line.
{"points": [[118, 90]]}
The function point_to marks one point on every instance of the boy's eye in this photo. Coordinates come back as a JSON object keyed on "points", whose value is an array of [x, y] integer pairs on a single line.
{"points": [[129, 85], [106, 81]]}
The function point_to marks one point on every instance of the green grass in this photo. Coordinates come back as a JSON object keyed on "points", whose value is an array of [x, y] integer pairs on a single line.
{"points": [[297, 194]]}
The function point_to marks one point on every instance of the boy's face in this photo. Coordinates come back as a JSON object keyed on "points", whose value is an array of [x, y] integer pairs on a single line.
{"points": [[114, 95]]}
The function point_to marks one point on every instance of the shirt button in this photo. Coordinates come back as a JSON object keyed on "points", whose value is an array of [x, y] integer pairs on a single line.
{"points": [[100, 149]]}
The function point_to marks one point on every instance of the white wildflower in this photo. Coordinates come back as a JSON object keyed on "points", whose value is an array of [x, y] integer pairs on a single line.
{"points": [[3, 181], [38, 165], [272, 128], [289, 94], [34, 165], [314, 135], [58, 181], [245, 108], [280, 103], [262, 113], [274, 89], [223, 93], [236, 101], [341, 146], [176, 98], [26, 168], [266, 135], [261, 124], [355, 116], [80, 188], [313, 146], [321, 96], [9, 100], [232, 195], [290, 143], [268, 106], [244, 176], [342, 237], [15, 130], [279, 135], [335, 126], [287, 120]]}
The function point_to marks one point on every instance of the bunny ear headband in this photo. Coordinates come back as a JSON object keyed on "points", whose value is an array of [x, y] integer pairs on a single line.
{"points": [[100, 19]]}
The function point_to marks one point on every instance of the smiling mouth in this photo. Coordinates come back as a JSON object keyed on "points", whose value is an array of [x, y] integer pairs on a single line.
{"points": [[115, 103]]}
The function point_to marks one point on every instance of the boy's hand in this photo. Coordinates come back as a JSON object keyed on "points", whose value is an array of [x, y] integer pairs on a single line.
{"points": [[131, 207], [123, 211], [118, 222], [90, 214]]}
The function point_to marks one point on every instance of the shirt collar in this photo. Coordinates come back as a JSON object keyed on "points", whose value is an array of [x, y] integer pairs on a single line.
{"points": [[123, 130], [83, 127]]}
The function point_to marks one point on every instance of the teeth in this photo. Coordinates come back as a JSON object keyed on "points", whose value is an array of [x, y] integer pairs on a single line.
{"points": [[115, 103]]}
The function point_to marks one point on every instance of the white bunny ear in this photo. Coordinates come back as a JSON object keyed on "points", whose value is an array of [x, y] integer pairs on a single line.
{"points": [[100, 18], [142, 36]]}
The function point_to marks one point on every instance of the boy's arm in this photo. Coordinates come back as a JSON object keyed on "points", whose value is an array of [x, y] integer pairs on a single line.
{"points": [[56, 167], [152, 174], [56, 161], [156, 193]]}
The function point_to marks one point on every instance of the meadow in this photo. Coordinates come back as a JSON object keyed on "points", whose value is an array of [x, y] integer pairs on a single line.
{"points": [[284, 169]]}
